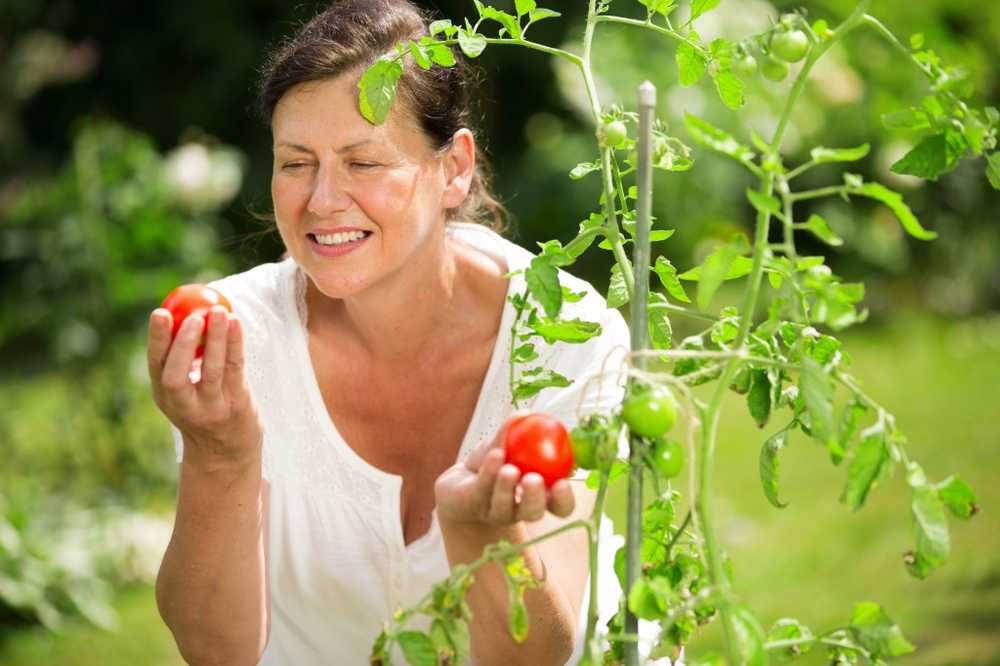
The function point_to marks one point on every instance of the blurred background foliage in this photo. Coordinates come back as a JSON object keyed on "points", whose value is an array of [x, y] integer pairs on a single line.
{"points": [[130, 161]]}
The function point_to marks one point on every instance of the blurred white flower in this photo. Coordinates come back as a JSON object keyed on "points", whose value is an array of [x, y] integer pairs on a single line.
{"points": [[203, 179]]}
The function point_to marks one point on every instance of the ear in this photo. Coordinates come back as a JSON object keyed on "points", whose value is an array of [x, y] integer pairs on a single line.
{"points": [[459, 166]]}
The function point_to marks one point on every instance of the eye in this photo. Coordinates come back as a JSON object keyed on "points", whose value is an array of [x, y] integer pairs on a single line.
{"points": [[363, 165], [293, 166]]}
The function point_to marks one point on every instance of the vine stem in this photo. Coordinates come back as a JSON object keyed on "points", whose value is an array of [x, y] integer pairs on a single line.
{"points": [[649, 25]]}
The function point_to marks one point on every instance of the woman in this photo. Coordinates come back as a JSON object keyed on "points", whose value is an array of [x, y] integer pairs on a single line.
{"points": [[342, 448]]}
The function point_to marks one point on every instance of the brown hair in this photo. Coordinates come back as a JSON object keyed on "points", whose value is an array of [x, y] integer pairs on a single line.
{"points": [[353, 34]]}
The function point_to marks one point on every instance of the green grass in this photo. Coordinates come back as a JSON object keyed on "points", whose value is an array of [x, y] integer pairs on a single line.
{"points": [[814, 559]]}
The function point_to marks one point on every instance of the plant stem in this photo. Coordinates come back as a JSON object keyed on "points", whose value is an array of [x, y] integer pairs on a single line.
{"points": [[694, 314], [594, 542], [818, 193], [649, 25]]}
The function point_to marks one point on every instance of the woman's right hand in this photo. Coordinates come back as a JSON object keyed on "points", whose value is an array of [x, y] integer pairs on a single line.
{"points": [[215, 412]]}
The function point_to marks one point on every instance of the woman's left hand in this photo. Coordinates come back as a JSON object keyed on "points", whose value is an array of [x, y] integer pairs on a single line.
{"points": [[484, 490]]}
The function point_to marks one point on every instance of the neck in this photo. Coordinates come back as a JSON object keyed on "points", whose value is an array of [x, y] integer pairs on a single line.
{"points": [[403, 318]]}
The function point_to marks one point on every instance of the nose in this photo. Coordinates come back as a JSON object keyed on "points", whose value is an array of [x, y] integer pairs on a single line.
{"points": [[329, 194]]}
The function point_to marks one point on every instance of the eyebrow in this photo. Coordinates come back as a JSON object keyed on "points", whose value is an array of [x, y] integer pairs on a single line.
{"points": [[301, 148]]}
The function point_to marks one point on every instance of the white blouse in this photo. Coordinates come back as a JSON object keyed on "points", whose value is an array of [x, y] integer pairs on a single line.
{"points": [[337, 563]]}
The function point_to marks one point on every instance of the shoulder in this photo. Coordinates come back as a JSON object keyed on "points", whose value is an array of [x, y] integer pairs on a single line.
{"points": [[261, 292]]}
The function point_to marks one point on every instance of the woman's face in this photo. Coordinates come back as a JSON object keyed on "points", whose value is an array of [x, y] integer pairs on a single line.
{"points": [[354, 202]]}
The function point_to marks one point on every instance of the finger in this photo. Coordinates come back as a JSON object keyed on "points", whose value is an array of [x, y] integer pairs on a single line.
{"points": [[532, 506], [502, 501], [233, 379], [561, 500], [213, 365], [486, 477], [475, 459], [160, 323], [181, 354]]}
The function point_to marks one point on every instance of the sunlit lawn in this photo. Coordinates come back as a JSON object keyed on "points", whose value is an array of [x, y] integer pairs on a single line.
{"points": [[812, 560]]}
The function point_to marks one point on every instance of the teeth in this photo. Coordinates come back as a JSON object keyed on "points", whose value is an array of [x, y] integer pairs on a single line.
{"points": [[339, 238]]}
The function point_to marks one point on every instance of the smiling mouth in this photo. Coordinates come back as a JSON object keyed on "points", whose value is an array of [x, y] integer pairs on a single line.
{"points": [[339, 239]]}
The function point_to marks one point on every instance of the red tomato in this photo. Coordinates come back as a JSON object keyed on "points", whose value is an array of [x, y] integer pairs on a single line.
{"points": [[192, 299], [539, 443]]}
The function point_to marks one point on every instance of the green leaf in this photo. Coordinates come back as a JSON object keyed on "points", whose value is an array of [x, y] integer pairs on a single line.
{"points": [[993, 170], [541, 14], [933, 156], [750, 638], [508, 21], [691, 63], [816, 391], [668, 278], [847, 426], [877, 633], [958, 497], [418, 648], [583, 168], [421, 55], [906, 119], [822, 155], [378, 90], [524, 7], [759, 398], [699, 7], [765, 203], [714, 271], [930, 532], [565, 330], [664, 7], [648, 599], [895, 202], [741, 266], [730, 88], [788, 629], [543, 379], [525, 353], [442, 55], [617, 289], [660, 331], [769, 466], [542, 278], [444, 25], [865, 467], [819, 227], [471, 43], [718, 140]]}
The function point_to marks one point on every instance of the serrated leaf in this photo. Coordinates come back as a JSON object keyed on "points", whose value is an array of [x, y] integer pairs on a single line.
{"points": [[957, 496], [664, 7], [730, 88], [876, 632], [935, 155], [819, 227], [865, 467], [442, 55], [565, 330], [750, 638], [741, 266], [524, 6], [508, 21], [930, 532], [816, 391], [542, 278], [543, 379], [906, 119], [668, 278], [718, 140], [648, 599], [769, 467], [542, 14], [759, 397], [691, 63], [764, 203], [617, 289], [583, 168], [823, 155], [895, 202], [471, 43], [443, 25], [377, 90], [699, 7], [524, 353], [418, 648]]}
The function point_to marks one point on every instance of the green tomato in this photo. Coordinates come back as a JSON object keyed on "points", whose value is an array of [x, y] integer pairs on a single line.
{"points": [[651, 412], [613, 134], [668, 457], [773, 69], [790, 46], [746, 66], [585, 442]]}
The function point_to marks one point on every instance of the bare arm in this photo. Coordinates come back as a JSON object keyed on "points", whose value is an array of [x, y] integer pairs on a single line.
{"points": [[211, 589]]}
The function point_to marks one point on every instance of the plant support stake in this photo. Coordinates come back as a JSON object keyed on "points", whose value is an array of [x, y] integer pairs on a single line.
{"points": [[640, 340]]}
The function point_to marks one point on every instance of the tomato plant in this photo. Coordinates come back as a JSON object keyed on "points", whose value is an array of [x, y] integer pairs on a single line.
{"points": [[193, 299], [776, 347], [539, 443]]}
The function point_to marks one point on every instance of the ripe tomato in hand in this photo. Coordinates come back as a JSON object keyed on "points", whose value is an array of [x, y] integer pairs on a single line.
{"points": [[539, 443], [192, 299]]}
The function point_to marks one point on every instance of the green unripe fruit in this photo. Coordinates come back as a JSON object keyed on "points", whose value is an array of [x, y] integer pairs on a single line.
{"points": [[773, 69], [746, 66], [613, 134], [790, 46], [650, 412], [668, 457]]}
